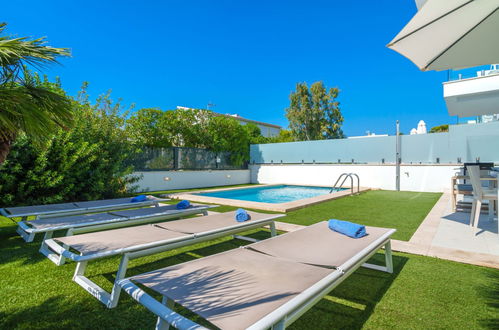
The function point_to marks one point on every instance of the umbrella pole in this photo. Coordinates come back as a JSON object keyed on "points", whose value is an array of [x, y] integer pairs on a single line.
{"points": [[397, 158]]}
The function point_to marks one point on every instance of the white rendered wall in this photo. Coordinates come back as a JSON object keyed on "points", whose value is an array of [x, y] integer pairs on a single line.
{"points": [[166, 180], [431, 178]]}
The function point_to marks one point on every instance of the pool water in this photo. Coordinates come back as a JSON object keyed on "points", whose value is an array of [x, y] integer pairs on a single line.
{"points": [[273, 194]]}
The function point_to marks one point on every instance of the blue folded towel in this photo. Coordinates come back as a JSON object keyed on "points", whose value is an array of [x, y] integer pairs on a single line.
{"points": [[242, 215], [139, 198], [347, 228], [183, 205]]}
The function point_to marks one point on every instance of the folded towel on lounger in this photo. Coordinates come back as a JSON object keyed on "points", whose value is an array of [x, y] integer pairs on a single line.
{"points": [[242, 215], [347, 228], [139, 198], [183, 205]]}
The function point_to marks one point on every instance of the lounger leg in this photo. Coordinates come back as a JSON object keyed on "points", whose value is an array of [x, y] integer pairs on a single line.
{"points": [[161, 324], [51, 255], [28, 238], [80, 269], [388, 257], [388, 260], [273, 231], [115, 293], [91, 287], [279, 326]]}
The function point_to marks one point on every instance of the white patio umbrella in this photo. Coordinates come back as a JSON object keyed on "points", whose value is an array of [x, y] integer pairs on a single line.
{"points": [[451, 34]]}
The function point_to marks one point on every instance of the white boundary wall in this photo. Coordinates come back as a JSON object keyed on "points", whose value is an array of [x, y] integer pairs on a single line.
{"points": [[166, 180], [430, 178]]}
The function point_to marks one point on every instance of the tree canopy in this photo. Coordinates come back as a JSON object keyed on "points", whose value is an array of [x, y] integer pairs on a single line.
{"points": [[314, 113], [440, 129]]}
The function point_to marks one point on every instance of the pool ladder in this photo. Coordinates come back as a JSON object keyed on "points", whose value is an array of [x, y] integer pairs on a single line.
{"points": [[345, 176]]}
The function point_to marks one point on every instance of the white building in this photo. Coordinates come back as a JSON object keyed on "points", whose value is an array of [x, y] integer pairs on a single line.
{"points": [[266, 129], [470, 97], [421, 128]]}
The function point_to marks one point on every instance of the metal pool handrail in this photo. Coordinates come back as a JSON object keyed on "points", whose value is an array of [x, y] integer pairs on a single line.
{"points": [[345, 176]]}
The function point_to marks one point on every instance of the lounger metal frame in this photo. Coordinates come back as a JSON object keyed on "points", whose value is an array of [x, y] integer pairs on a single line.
{"points": [[110, 299], [28, 233], [51, 249], [82, 210], [285, 314]]}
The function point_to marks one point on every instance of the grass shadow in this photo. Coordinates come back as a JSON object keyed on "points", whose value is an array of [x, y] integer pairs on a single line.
{"points": [[490, 292], [14, 249], [351, 304], [61, 312]]}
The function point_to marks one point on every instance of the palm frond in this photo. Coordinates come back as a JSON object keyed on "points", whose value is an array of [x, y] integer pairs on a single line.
{"points": [[15, 53], [34, 110]]}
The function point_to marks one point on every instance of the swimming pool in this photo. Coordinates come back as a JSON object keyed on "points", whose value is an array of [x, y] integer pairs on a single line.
{"points": [[271, 197], [271, 194]]}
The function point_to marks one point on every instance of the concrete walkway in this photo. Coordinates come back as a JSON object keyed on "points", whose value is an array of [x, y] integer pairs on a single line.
{"points": [[447, 235]]}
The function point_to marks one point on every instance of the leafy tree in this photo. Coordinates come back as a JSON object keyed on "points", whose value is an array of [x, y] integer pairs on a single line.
{"points": [[284, 136], [146, 127], [314, 113], [189, 127], [227, 135], [255, 134], [440, 129], [24, 105]]}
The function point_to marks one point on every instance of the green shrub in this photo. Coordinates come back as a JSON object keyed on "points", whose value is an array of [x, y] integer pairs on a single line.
{"points": [[85, 162]]}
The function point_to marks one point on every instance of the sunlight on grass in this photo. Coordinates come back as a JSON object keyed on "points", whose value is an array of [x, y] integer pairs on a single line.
{"points": [[422, 293]]}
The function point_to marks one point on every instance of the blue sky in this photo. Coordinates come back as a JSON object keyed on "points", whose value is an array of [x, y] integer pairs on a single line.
{"points": [[243, 56]]}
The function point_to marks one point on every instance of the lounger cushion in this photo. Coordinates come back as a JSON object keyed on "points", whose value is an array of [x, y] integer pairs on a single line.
{"points": [[153, 211], [233, 290], [74, 220], [317, 244], [40, 208], [101, 218], [126, 237], [110, 240], [212, 222], [105, 202]]}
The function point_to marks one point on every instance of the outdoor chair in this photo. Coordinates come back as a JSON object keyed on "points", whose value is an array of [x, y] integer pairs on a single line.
{"points": [[480, 194], [101, 221], [64, 209], [269, 284], [139, 241]]}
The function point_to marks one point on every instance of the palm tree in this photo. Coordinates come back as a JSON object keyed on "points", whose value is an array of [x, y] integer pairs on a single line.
{"points": [[24, 106]]}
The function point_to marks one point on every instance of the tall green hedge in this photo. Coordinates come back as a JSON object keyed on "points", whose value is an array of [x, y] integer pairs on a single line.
{"points": [[85, 162]]}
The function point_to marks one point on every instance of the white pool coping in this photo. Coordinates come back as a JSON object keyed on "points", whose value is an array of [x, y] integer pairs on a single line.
{"points": [[277, 207]]}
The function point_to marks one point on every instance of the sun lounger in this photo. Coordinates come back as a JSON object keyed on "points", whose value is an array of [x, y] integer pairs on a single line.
{"points": [[264, 285], [64, 209], [135, 242], [101, 221]]}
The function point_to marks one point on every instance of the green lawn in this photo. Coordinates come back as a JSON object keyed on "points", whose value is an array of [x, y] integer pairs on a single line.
{"points": [[423, 292], [401, 210]]}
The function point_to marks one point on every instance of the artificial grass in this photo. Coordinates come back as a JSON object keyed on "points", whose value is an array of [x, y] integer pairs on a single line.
{"points": [[422, 293], [401, 210]]}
